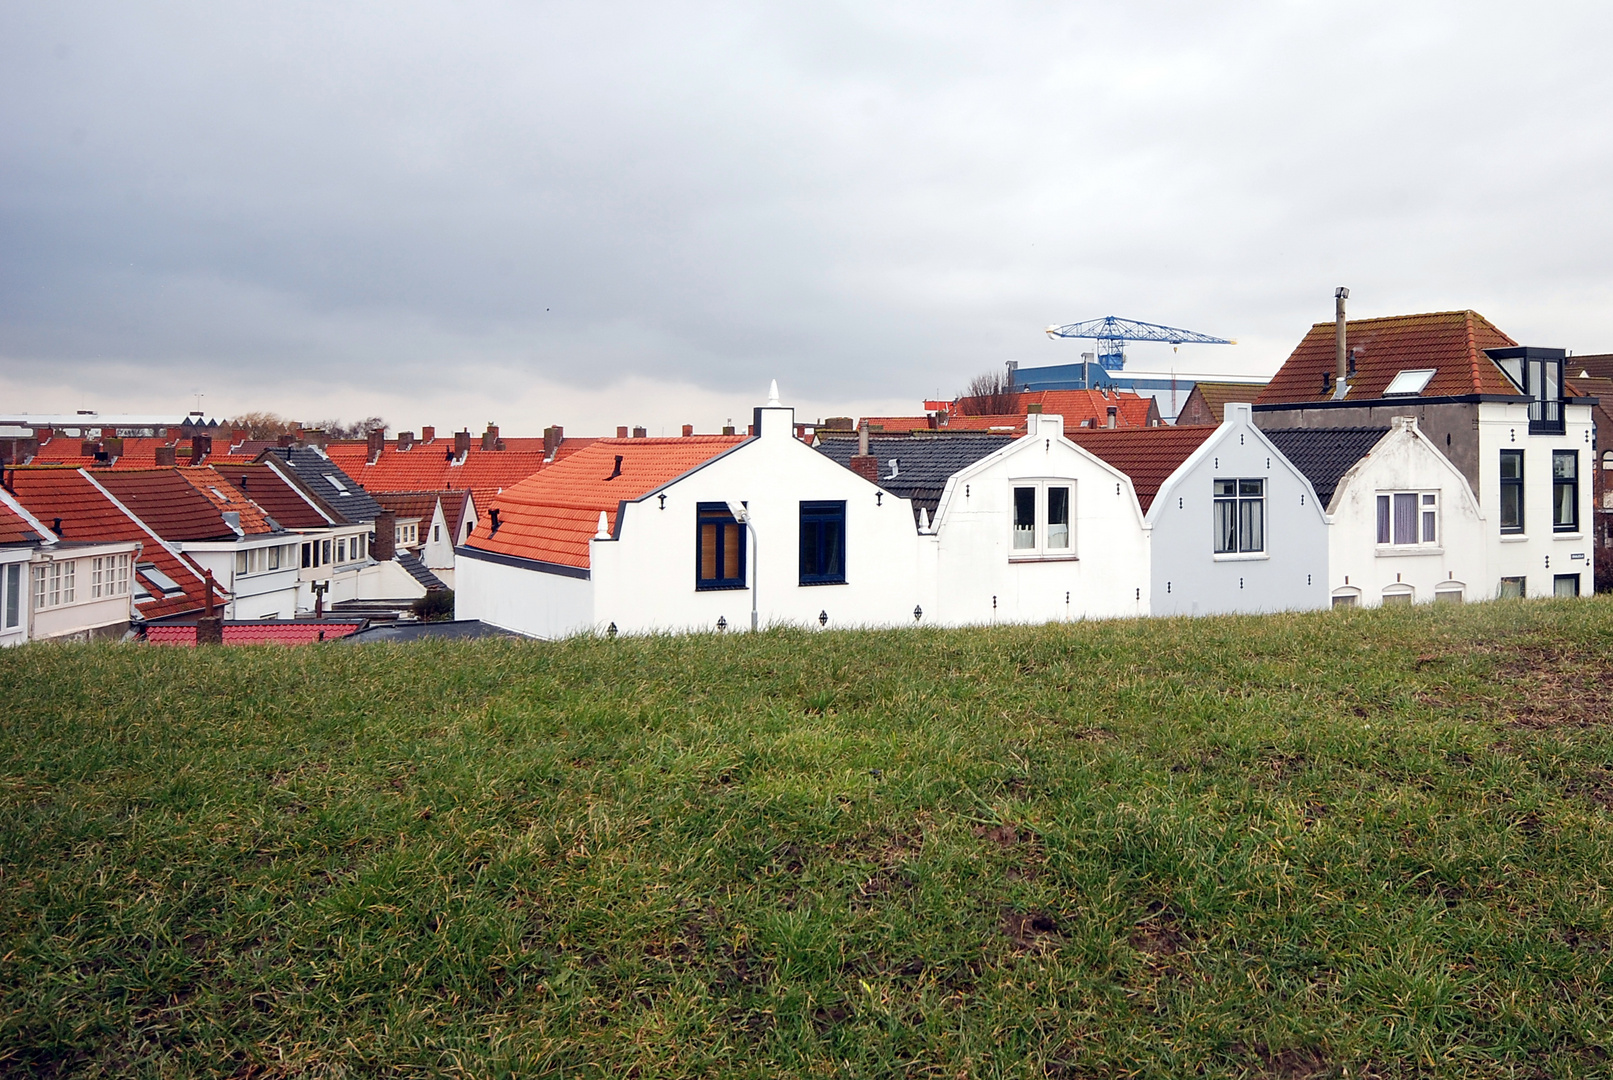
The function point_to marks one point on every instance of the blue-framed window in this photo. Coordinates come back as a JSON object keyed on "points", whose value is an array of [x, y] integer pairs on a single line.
{"points": [[719, 548], [823, 543]]}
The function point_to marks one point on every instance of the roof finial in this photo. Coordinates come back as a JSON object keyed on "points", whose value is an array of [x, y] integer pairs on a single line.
{"points": [[604, 528], [772, 395]]}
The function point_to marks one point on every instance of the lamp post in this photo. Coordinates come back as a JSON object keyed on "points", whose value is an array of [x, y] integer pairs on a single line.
{"points": [[741, 514]]}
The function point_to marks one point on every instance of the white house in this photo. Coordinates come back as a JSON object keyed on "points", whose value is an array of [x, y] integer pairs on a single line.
{"points": [[56, 589], [1234, 526], [640, 535], [1039, 530], [1404, 524], [20, 534]]}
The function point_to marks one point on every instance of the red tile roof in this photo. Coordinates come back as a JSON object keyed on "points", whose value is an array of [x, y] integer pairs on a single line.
{"points": [[1147, 455], [225, 498], [551, 517], [1450, 342], [88, 515], [412, 504], [431, 466], [890, 425], [175, 509], [266, 633], [14, 529], [272, 493]]}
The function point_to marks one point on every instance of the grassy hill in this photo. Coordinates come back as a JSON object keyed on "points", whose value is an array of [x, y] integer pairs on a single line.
{"points": [[1352, 844]]}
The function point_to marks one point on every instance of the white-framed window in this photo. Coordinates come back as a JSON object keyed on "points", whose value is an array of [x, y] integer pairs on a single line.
{"points": [[341, 549], [109, 576], [436, 534], [1043, 513], [273, 555], [55, 583], [1408, 518], [1240, 516]]}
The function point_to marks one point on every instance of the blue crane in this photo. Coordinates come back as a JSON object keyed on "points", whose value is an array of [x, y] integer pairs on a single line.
{"points": [[1112, 334]]}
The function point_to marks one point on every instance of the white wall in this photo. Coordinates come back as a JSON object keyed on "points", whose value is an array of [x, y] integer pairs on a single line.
{"points": [[1189, 578], [86, 615], [524, 600], [645, 580], [437, 554], [1405, 460], [15, 556], [971, 569], [1540, 552], [388, 581]]}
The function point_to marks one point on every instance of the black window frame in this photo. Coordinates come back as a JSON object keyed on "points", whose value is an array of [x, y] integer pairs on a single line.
{"points": [[1558, 579], [1571, 484], [1237, 500], [1511, 482], [1532, 368], [822, 520], [710, 513]]}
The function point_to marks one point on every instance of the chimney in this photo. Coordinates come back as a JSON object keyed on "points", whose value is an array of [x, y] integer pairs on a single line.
{"points": [[552, 437], [165, 457], [862, 439], [200, 447], [209, 628], [1340, 364], [285, 440], [375, 442], [88, 448], [56, 526], [175, 434], [617, 471], [492, 516], [239, 436], [109, 433], [385, 545], [728, 429], [44, 434], [462, 443], [1112, 412], [405, 440], [639, 433], [621, 432], [688, 430], [867, 467], [113, 447], [490, 437], [428, 434]]}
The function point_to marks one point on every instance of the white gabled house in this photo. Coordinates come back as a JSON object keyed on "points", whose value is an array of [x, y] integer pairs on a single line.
{"points": [[1025, 530], [640, 535], [1404, 524], [1234, 526]]}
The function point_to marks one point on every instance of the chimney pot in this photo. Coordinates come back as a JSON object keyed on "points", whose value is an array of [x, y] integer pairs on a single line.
{"points": [[862, 439], [1112, 412], [1340, 364]]}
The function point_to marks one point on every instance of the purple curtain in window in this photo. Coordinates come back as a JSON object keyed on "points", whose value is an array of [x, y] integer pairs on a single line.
{"points": [[1405, 519]]}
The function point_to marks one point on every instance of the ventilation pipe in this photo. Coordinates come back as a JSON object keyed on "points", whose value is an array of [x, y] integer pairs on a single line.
{"points": [[1340, 359]]}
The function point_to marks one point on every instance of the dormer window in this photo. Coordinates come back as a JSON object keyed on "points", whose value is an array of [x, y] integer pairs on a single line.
{"points": [[1410, 381], [1539, 374]]}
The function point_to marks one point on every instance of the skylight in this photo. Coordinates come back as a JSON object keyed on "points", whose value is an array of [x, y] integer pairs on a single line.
{"points": [[1410, 381], [340, 487], [167, 584]]}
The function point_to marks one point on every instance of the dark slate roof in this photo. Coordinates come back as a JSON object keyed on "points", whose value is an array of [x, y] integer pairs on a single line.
{"points": [[417, 570], [416, 631], [316, 471], [1326, 454], [923, 463]]}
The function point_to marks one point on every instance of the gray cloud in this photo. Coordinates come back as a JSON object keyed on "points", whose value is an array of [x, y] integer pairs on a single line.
{"points": [[866, 202]]}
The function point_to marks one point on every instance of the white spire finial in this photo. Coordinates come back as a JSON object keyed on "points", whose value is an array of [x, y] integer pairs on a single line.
{"points": [[604, 528], [924, 519], [772, 395]]}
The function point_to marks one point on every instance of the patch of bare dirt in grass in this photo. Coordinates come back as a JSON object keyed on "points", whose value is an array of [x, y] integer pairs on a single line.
{"points": [[1159, 935], [1294, 1063], [1030, 931], [1547, 687]]}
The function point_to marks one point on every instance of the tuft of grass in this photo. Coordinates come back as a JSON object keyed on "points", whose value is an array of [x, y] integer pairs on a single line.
{"points": [[1371, 843]]}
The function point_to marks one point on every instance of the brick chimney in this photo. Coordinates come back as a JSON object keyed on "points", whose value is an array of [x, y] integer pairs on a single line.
{"points": [[865, 464], [405, 440], [200, 447], [490, 437], [109, 433], [375, 443], [113, 447], [621, 432], [88, 448], [728, 429], [385, 545], [688, 430], [551, 441], [239, 436], [639, 433], [462, 443], [285, 440], [165, 457], [428, 434], [209, 628], [44, 434], [175, 434]]}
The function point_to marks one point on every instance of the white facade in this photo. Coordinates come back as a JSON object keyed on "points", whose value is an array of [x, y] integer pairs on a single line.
{"points": [[1541, 553], [437, 544], [259, 571], [1284, 568], [14, 598], [1405, 526], [643, 578], [980, 564], [334, 559], [80, 591]]}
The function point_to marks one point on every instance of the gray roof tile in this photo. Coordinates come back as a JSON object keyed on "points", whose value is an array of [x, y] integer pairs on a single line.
{"points": [[1324, 455]]}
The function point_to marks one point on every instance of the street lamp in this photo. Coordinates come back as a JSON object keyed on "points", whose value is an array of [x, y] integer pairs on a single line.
{"points": [[741, 514]]}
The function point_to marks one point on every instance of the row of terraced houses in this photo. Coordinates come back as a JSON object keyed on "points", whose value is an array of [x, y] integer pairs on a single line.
{"points": [[1410, 459]]}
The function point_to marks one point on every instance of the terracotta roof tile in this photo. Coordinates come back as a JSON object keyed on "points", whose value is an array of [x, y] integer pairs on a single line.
{"points": [[175, 509], [14, 529], [225, 498], [433, 466], [88, 516], [273, 495], [1450, 342], [1147, 455], [551, 516], [265, 633]]}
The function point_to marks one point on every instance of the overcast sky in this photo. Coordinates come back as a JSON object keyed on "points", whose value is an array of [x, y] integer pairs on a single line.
{"points": [[596, 214]]}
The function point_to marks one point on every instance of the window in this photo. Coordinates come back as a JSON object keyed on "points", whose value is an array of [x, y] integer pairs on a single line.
{"points": [[720, 543], [308, 555], [1512, 588], [1512, 491], [1448, 592], [240, 562], [1565, 491], [1565, 585], [109, 576], [13, 598], [1410, 381], [436, 534], [1545, 387], [324, 551], [1408, 518], [1344, 600], [54, 584], [1042, 520], [823, 543], [274, 558], [1240, 516]]}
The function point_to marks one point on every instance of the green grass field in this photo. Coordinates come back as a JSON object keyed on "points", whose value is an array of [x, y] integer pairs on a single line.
{"points": [[1354, 844]]}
